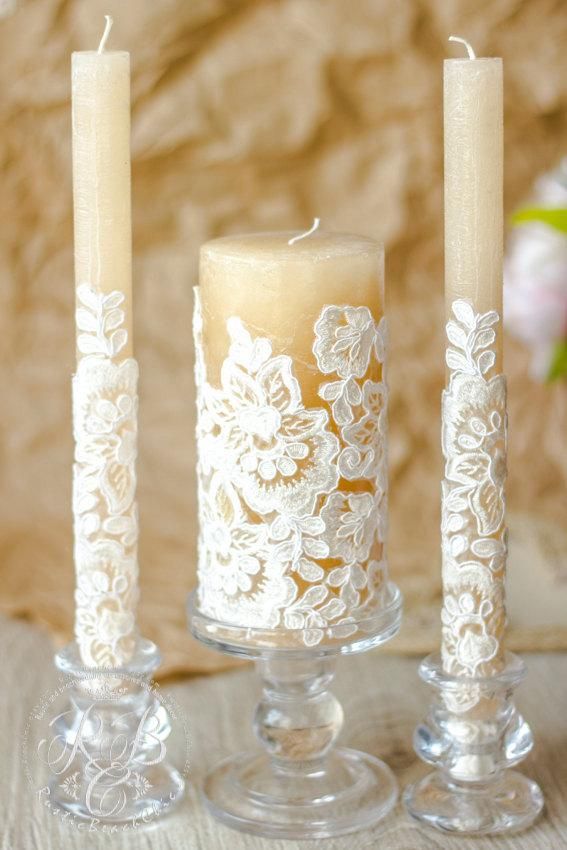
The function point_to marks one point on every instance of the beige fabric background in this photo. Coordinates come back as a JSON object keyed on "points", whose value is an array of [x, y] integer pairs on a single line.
{"points": [[247, 115]]}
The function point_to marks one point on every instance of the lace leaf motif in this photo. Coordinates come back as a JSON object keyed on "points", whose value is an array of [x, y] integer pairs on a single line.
{"points": [[270, 503], [99, 319], [105, 405], [473, 499]]}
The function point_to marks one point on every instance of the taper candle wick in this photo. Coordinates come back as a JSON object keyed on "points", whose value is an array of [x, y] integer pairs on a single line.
{"points": [[106, 33], [470, 51], [312, 229]]}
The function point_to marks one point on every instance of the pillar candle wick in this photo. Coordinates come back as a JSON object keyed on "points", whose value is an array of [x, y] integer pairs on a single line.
{"points": [[312, 229], [106, 33], [470, 51]]}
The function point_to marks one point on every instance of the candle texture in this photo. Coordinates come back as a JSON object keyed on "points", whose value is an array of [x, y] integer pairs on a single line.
{"points": [[105, 384], [290, 343], [101, 176], [474, 403], [473, 120]]}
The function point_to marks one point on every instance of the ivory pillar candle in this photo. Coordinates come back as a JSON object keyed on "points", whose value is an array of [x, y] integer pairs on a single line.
{"points": [[474, 403], [290, 341], [105, 385]]}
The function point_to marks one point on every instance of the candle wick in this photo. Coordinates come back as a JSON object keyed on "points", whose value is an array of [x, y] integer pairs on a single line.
{"points": [[470, 51], [312, 229], [106, 33]]}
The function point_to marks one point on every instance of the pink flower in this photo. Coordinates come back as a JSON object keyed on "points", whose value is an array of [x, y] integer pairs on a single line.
{"points": [[535, 291], [535, 280]]}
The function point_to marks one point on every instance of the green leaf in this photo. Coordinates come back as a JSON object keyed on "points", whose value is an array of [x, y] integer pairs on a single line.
{"points": [[558, 368], [555, 217]]}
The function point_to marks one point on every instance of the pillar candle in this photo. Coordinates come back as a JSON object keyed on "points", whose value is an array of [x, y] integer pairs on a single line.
{"points": [[290, 341], [474, 402], [105, 384]]}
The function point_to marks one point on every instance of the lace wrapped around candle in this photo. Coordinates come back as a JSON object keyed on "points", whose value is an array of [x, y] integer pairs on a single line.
{"points": [[105, 411], [292, 468], [473, 498]]}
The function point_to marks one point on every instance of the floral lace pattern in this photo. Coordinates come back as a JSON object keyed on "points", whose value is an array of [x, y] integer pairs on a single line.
{"points": [[105, 405], [283, 543], [473, 499]]}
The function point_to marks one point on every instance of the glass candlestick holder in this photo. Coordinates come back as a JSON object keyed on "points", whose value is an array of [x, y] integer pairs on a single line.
{"points": [[106, 751], [473, 735], [299, 785]]}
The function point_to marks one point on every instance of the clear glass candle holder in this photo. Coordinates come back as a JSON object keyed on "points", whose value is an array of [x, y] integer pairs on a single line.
{"points": [[106, 754], [473, 734], [299, 785]]}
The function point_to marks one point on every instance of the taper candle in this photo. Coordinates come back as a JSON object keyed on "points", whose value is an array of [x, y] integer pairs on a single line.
{"points": [[474, 403], [473, 732], [290, 340], [101, 175], [105, 385], [473, 119]]}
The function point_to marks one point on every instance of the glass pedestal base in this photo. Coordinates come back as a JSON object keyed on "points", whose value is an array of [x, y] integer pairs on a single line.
{"points": [[161, 788], [509, 805], [300, 785], [351, 791]]}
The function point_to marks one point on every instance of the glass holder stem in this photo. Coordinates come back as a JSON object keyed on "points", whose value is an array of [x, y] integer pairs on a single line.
{"points": [[297, 719], [299, 784]]}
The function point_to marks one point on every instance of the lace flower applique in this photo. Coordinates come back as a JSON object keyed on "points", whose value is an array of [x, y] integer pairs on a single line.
{"points": [[473, 531], [281, 544], [105, 405]]}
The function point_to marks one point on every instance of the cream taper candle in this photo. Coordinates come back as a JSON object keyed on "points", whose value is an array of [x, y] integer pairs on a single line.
{"points": [[473, 119], [474, 403], [290, 341], [101, 175], [105, 385]]}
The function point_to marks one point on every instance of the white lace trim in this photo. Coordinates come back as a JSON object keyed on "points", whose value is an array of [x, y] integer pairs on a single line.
{"points": [[284, 542], [473, 500], [105, 405]]}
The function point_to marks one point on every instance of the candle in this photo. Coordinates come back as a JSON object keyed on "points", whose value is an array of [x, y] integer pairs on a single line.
{"points": [[290, 345], [473, 116], [101, 175], [105, 383], [474, 403]]}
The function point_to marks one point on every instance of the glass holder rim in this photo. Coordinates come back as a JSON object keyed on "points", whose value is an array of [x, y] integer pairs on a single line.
{"points": [[252, 643], [432, 673], [145, 660]]}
